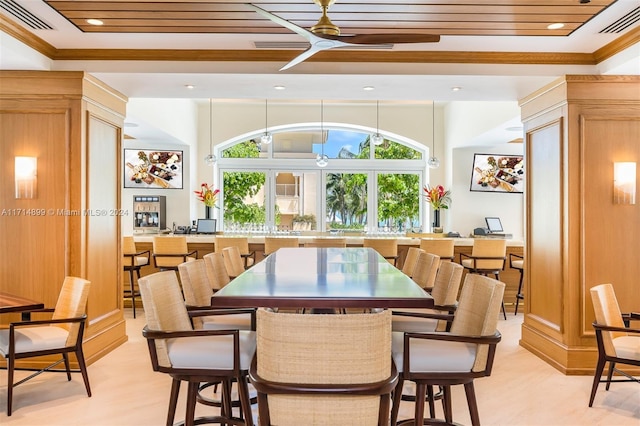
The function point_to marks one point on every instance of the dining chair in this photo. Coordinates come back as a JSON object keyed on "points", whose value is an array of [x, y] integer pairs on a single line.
{"points": [[469, 347], [327, 242], [132, 261], [410, 260], [216, 271], [387, 247], [443, 247], [197, 292], [323, 369], [233, 261], [62, 334], [424, 273], [271, 244], [516, 261], [170, 251], [488, 256], [194, 356], [617, 343], [242, 243]]}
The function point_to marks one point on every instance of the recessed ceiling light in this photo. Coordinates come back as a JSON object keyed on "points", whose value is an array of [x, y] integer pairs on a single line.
{"points": [[279, 87], [189, 86], [456, 88], [94, 22], [555, 26], [368, 88]]}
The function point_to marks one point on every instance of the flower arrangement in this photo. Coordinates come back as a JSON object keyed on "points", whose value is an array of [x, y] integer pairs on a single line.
{"points": [[207, 194], [437, 196]]}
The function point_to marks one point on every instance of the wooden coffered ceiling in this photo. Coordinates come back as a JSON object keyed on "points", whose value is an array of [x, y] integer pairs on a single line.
{"points": [[442, 17]]}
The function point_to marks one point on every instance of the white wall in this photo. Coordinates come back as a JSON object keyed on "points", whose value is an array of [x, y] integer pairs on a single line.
{"points": [[176, 117]]}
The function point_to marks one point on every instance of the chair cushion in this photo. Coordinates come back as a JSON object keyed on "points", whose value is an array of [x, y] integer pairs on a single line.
{"points": [[29, 339], [627, 347], [517, 264], [227, 322], [142, 260], [413, 324], [467, 263], [211, 352], [434, 355]]}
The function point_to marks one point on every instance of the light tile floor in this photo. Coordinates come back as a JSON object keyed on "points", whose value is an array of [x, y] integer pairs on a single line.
{"points": [[522, 390]]}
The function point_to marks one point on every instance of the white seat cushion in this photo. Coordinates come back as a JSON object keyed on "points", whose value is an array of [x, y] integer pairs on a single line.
{"points": [[211, 352], [29, 339], [517, 264], [627, 347], [467, 263], [413, 324], [434, 355], [142, 260], [227, 322]]}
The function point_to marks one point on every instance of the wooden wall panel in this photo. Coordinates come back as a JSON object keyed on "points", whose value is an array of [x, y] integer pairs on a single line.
{"points": [[544, 213], [33, 230], [611, 231]]}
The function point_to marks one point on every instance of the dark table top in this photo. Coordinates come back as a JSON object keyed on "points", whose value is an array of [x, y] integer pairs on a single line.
{"points": [[11, 303], [352, 277]]}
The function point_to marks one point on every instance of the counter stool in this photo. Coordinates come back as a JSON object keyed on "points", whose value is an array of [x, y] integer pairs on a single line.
{"points": [[516, 261], [133, 260], [443, 247]]}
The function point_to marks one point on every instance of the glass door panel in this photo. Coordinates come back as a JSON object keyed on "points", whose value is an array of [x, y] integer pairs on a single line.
{"points": [[296, 201], [346, 201], [399, 199], [244, 201]]}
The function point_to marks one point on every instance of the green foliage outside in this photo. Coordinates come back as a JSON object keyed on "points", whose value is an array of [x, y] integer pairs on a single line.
{"points": [[238, 186], [398, 194]]}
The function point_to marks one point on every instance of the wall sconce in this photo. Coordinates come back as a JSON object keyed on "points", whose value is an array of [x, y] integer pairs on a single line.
{"points": [[26, 171], [624, 183]]}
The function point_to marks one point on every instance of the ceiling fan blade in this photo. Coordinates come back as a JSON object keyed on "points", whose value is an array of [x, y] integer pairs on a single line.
{"points": [[283, 22], [303, 56], [384, 38]]}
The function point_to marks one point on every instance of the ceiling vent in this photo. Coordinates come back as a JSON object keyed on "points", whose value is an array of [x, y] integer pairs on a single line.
{"points": [[304, 45], [23, 15], [623, 23]]}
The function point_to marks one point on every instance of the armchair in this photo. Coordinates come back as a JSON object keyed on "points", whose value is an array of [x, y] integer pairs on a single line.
{"points": [[617, 343], [62, 334], [170, 251]]}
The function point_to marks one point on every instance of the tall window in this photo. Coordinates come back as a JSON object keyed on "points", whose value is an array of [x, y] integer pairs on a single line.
{"points": [[280, 187]]}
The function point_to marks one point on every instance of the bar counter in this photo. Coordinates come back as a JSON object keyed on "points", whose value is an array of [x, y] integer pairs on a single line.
{"points": [[206, 244]]}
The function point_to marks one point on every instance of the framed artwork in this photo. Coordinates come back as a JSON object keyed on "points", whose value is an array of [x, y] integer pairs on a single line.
{"points": [[152, 169], [497, 173]]}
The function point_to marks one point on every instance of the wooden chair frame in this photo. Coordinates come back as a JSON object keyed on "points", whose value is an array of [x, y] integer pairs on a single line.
{"points": [[12, 356], [133, 266], [603, 358], [194, 377], [425, 381], [486, 272]]}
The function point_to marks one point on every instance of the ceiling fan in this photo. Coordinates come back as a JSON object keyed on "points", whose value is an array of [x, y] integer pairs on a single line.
{"points": [[325, 35]]}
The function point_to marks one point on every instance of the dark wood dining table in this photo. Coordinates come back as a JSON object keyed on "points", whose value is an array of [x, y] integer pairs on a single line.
{"points": [[13, 303], [323, 278]]}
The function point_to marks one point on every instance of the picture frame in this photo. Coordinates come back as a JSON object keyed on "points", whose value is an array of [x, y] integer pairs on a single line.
{"points": [[153, 169], [498, 173]]}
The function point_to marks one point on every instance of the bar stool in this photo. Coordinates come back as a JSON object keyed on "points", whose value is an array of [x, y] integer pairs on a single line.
{"points": [[133, 260], [516, 261], [387, 247], [443, 247], [249, 257], [271, 244], [169, 252]]}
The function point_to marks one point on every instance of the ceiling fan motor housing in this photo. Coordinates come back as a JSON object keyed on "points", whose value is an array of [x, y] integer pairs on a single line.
{"points": [[324, 24]]}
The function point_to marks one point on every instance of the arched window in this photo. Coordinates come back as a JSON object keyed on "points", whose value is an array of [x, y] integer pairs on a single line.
{"points": [[279, 187]]}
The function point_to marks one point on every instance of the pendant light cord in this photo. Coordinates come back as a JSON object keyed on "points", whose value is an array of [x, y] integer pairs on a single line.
{"points": [[322, 125], [266, 116], [210, 126], [377, 117]]}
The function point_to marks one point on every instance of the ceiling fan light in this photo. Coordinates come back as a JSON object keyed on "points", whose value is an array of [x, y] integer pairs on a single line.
{"points": [[322, 160], [210, 160], [377, 139], [433, 162], [266, 139]]}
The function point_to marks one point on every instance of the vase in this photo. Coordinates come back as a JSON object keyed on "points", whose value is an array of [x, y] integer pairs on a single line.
{"points": [[207, 212], [436, 222]]}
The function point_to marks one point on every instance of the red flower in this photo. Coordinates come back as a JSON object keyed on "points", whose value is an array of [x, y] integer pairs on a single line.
{"points": [[438, 197], [207, 195]]}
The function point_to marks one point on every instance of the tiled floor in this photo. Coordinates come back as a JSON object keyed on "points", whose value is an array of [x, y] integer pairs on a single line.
{"points": [[522, 390]]}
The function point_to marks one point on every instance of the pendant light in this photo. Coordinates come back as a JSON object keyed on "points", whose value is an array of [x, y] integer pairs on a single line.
{"points": [[267, 137], [321, 159], [210, 159], [433, 161], [376, 138]]}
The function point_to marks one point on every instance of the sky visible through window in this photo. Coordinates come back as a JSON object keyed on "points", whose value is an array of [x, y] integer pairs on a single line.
{"points": [[338, 139]]}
